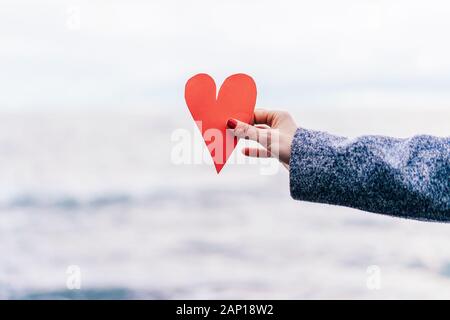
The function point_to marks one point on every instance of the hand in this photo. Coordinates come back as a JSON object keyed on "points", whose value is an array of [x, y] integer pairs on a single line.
{"points": [[274, 130]]}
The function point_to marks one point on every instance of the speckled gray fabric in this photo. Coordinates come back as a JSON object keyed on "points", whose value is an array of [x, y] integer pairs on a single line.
{"points": [[400, 177]]}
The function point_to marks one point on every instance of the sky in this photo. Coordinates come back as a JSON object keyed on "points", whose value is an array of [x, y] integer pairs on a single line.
{"points": [[126, 55]]}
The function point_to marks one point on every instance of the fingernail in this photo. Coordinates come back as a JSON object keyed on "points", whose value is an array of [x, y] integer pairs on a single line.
{"points": [[231, 123]]}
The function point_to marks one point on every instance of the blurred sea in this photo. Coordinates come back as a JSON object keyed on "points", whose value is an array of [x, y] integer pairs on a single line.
{"points": [[99, 191]]}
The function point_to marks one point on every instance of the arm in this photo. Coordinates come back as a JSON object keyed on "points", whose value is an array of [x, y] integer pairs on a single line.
{"points": [[399, 177]]}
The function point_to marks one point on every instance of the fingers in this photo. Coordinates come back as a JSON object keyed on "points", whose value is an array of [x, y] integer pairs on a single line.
{"points": [[261, 153], [256, 152], [244, 130], [262, 134]]}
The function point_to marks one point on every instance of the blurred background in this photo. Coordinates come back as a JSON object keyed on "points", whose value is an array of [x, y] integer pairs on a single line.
{"points": [[92, 91]]}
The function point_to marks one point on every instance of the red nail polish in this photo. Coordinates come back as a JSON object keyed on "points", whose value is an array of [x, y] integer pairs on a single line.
{"points": [[231, 123]]}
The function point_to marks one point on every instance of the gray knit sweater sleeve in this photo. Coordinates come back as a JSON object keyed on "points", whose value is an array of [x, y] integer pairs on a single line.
{"points": [[400, 177]]}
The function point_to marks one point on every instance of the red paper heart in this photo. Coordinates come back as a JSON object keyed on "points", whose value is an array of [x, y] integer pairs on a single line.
{"points": [[236, 100]]}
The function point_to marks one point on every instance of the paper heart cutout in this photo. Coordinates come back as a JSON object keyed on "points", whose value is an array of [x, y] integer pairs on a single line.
{"points": [[236, 100]]}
